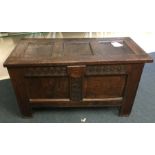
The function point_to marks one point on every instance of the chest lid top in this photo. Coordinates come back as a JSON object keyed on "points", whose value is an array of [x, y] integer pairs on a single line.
{"points": [[76, 51]]}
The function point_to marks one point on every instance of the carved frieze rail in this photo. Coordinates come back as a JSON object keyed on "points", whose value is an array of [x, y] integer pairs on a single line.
{"points": [[105, 69], [46, 71]]}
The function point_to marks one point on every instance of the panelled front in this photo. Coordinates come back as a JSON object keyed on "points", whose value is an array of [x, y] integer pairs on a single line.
{"points": [[76, 83]]}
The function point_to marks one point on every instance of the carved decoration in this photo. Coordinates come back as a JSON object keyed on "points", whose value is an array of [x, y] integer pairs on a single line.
{"points": [[105, 69], [46, 71], [76, 89]]}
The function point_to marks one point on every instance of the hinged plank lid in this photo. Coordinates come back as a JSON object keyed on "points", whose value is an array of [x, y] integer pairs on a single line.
{"points": [[76, 51]]}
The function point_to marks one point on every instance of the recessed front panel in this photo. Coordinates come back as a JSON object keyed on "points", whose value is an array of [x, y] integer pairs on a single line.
{"points": [[100, 87], [47, 87]]}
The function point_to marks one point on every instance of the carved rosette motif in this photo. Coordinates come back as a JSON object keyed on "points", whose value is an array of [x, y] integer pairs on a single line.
{"points": [[105, 69], [46, 71]]}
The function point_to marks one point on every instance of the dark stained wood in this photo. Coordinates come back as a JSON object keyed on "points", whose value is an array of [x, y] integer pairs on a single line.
{"points": [[47, 87], [19, 85], [76, 73], [75, 52], [104, 86], [131, 88], [84, 103]]}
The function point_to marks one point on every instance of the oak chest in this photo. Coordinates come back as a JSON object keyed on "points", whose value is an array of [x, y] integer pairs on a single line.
{"points": [[76, 73]]}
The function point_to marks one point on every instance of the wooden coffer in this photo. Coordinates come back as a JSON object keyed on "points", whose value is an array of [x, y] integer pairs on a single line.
{"points": [[76, 73]]}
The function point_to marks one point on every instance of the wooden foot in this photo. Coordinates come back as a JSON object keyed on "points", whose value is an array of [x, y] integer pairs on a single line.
{"points": [[125, 112]]}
